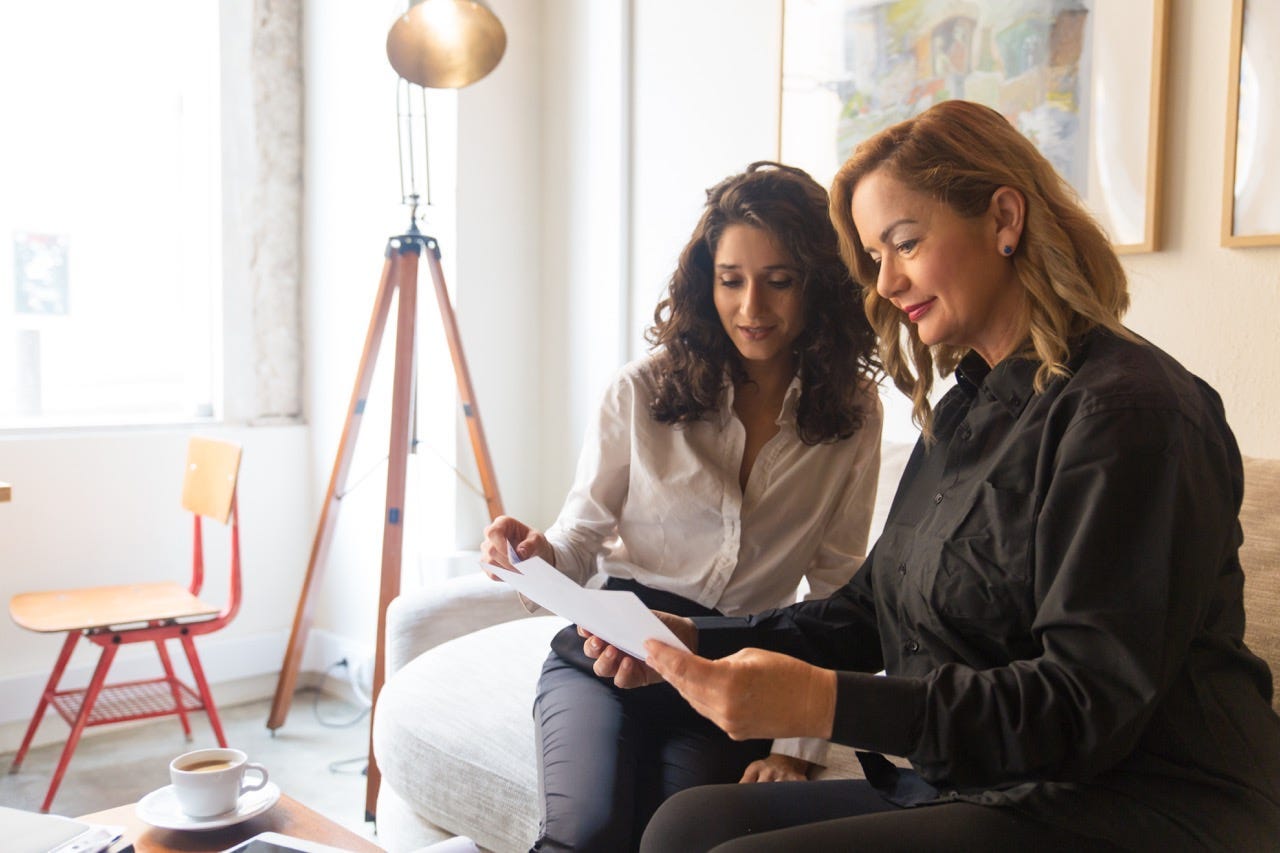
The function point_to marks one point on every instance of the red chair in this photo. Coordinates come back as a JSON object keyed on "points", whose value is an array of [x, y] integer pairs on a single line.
{"points": [[111, 616]]}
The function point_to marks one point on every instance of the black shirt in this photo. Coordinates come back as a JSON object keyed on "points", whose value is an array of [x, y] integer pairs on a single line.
{"points": [[1057, 600]]}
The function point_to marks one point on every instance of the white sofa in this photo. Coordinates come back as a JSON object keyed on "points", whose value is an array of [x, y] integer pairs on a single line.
{"points": [[453, 731]]}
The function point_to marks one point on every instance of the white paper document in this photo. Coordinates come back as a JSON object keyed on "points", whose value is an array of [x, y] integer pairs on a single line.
{"points": [[616, 616]]}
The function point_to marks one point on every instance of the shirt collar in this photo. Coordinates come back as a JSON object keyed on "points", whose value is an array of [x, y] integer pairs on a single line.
{"points": [[790, 401], [1010, 382]]}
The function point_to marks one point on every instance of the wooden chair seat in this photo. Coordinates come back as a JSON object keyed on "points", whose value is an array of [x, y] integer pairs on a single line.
{"points": [[106, 606]]}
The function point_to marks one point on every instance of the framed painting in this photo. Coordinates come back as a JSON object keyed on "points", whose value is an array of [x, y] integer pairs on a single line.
{"points": [[1083, 79], [1251, 179]]}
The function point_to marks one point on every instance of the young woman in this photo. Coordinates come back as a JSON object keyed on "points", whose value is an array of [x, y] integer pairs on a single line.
{"points": [[738, 459], [1056, 596]]}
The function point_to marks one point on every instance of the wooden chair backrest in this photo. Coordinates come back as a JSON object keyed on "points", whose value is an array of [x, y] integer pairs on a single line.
{"points": [[209, 486]]}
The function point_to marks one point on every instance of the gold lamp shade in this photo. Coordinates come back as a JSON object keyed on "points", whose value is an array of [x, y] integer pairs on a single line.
{"points": [[446, 44]]}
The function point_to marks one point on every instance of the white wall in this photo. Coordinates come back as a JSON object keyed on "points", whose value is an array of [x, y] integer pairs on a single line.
{"points": [[1213, 308], [499, 252], [706, 92], [583, 218]]}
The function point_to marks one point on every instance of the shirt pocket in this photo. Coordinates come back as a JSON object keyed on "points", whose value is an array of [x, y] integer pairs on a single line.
{"points": [[982, 583]]}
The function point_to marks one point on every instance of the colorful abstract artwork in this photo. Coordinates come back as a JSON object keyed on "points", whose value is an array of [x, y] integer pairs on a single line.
{"points": [[853, 67]]}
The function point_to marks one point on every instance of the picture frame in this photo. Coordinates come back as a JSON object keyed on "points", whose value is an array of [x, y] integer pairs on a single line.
{"points": [[1251, 176], [1084, 79]]}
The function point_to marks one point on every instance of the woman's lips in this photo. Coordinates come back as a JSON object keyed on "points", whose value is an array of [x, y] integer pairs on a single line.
{"points": [[755, 333], [915, 312]]}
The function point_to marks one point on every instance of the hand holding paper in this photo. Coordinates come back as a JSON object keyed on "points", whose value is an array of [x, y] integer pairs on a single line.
{"points": [[616, 616]]}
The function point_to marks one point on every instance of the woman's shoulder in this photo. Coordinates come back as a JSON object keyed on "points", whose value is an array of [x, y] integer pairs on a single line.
{"points": [[640, 373], [1115, 372], [637, 381]]}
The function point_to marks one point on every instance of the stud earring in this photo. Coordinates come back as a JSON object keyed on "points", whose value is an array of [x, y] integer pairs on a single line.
{"points": [[1008, 250]]}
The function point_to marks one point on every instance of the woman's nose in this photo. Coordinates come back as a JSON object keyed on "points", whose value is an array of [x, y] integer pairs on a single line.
{"points": [[889, 281], [753, 298]]}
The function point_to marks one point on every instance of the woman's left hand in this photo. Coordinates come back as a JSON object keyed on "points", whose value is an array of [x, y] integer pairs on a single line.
{"points": [[776, 768], [752, 693]]}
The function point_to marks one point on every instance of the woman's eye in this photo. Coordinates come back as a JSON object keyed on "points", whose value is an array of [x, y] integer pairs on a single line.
{"points": [[906, 246], [780, 283], [731, 282]]}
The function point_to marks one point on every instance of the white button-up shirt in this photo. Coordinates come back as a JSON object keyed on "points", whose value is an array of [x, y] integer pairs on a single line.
{"points": [[661, 505]]}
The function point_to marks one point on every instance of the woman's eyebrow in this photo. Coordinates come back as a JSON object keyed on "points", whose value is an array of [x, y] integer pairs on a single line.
{"points": [[884, 235]]}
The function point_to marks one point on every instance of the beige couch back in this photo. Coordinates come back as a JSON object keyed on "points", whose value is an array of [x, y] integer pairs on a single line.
{"points": [[1260, 557]]}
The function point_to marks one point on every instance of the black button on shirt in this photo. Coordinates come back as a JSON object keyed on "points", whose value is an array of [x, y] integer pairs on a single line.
{"points": [[1068, 630]]}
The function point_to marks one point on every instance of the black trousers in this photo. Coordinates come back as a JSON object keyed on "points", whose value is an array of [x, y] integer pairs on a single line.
{"points": [[609, 757], [843, 815]]}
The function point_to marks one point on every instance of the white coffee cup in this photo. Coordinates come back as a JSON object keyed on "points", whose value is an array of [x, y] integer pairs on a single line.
{"points": [[209, 782]]}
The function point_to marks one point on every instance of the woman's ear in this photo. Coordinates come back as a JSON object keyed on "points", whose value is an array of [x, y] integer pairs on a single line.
{"points": [[1009, 208]]}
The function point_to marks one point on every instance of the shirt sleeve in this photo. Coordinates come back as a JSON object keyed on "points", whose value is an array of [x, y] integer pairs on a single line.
{"points": [[811, 749], [591, 510], [838, 632], [844, 542], [1135, 525]]}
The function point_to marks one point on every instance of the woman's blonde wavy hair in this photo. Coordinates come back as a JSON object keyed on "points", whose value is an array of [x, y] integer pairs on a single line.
{"points": [[960, 153]]}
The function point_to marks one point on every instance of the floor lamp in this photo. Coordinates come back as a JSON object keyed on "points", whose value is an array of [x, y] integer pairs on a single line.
{"points": [[439, 44]]}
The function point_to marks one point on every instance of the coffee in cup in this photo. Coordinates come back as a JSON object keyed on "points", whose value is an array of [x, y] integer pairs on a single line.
{"points": [[209, 782]]}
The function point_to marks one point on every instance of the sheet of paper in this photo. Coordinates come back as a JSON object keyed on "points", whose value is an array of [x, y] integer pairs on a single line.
{"points": [[616, 616]]}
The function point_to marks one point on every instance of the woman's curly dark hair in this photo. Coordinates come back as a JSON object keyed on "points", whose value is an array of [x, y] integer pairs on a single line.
{"points": [[836, 352]]}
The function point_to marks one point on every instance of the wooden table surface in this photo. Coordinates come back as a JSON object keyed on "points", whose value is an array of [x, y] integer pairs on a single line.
{"points": [[287, 817]]}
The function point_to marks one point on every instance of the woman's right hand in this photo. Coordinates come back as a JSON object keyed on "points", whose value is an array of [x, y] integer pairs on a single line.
{"points": [[626, 671], [527, 542]]}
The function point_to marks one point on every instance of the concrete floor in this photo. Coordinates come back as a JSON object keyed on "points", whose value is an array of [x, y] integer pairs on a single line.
{"points": [[311, 758]]}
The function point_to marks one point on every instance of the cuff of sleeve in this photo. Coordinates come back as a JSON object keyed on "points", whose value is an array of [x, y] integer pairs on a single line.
{"points": [[881, 713], [721, 636], [811, 749]]}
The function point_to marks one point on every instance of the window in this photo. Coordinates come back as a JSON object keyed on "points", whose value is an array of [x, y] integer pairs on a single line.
{"points": [[110, 216]]}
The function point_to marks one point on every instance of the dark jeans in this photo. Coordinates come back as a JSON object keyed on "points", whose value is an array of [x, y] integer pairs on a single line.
{"points": [[844, 815], [609, 757]]}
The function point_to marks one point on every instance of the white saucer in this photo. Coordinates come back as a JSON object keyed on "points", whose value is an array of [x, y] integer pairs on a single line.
{"points": [[160, 808]]}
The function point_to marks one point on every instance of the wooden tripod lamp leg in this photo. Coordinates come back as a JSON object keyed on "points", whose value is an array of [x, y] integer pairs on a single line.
{"points": [[337, 482], [466, 393], [397, 469]]}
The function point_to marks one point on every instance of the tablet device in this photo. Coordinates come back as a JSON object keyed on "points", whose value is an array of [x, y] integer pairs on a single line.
{"points": [[274, 842]]}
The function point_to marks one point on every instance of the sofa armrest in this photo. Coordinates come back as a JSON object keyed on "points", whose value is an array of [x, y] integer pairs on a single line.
{"points": [[423, 618]]}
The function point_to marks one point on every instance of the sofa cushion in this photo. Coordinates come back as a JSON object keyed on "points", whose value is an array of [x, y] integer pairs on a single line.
{"points": [[1260, 556], [454, 733]]}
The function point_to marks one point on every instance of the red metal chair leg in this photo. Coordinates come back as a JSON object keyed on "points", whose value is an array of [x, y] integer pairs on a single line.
{"points": [[178, 704], [67, 648], [82, 719], [197, 672]]}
